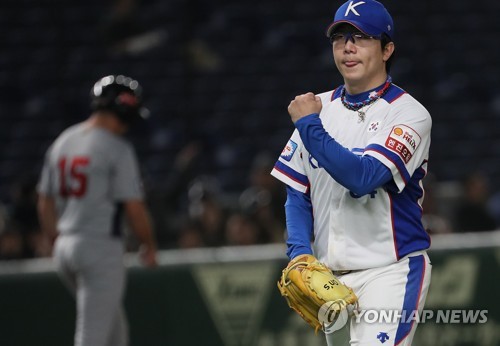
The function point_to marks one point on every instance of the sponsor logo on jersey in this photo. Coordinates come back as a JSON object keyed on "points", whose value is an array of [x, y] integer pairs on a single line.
{"points": [[288, 151], [404, 141], [383, 337]]}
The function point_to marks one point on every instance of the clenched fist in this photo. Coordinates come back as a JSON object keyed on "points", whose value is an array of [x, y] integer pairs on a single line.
{"points": [[303, 105]]}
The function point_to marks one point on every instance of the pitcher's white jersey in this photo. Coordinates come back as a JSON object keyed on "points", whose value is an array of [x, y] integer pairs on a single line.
{"points": [[358, 232]]}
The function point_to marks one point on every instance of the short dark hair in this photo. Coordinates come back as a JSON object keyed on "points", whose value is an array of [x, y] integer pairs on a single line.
{"points": [[384, 41]]}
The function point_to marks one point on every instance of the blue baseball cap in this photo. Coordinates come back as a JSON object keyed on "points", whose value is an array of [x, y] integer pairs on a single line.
{"points": [[368, 16]]}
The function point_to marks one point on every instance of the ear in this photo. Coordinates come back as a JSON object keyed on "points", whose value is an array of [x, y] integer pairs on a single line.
{"points": [[387, 51]]}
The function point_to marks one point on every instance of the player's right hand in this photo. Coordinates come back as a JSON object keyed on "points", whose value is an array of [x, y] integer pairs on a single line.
{"points": [[148, 256], [304, 105]]}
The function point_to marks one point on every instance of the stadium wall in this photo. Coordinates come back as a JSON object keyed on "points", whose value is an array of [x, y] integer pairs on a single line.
{"points": [[228, 296]]}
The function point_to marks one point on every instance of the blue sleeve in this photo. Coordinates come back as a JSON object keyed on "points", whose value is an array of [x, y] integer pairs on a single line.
{"points": [[299, 223], [359, 174]]}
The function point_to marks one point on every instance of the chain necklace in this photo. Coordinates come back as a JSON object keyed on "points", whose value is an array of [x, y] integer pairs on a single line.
{"points": [[358, 106]]}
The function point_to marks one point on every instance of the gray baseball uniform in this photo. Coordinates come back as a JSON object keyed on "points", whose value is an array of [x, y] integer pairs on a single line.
{"points": [[89, 171]]}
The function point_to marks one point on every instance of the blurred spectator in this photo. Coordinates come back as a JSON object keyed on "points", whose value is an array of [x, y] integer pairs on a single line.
{"points": [[202, 57], [120, 24], [122, 32], [11, 242], [206, 209], [169, 198], [190, 235], [11, 245], [264, 199], [494, 207], [472, 213], [199, 53], [23, 229], [242, 230], [3, 218], [432, 217], [23, 212]]}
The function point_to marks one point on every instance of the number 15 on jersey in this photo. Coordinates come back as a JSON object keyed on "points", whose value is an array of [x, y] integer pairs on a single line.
{"points": [[72, 176]]}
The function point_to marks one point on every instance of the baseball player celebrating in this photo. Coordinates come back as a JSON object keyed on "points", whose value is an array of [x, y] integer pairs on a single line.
{"points": [[89, 179], [353, 169]]}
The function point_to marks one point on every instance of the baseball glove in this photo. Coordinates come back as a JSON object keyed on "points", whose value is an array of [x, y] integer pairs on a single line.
{"points": [[308, 285]]}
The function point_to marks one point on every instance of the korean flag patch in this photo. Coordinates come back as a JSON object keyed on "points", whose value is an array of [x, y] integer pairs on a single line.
{"points": [[289, 150]]}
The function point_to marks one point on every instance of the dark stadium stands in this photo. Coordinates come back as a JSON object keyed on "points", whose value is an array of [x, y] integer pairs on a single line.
{"points": [[223, 72]]}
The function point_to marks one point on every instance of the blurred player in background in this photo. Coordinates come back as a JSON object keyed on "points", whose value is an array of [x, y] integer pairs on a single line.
{"points": [[90, 178], [354, 167]]}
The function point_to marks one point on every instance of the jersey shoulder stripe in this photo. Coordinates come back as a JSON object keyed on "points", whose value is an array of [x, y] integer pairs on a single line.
{"points": [[392, 157], [290, 177], [336, 93], [393, 93]]}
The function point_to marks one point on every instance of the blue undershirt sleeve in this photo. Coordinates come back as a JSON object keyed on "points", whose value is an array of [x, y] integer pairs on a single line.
{"points": [[360, 174], [299, 223]]}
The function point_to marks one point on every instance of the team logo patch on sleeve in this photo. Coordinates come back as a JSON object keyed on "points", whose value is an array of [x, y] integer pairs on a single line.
{"points": [[288, 151], [404, 141]]}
